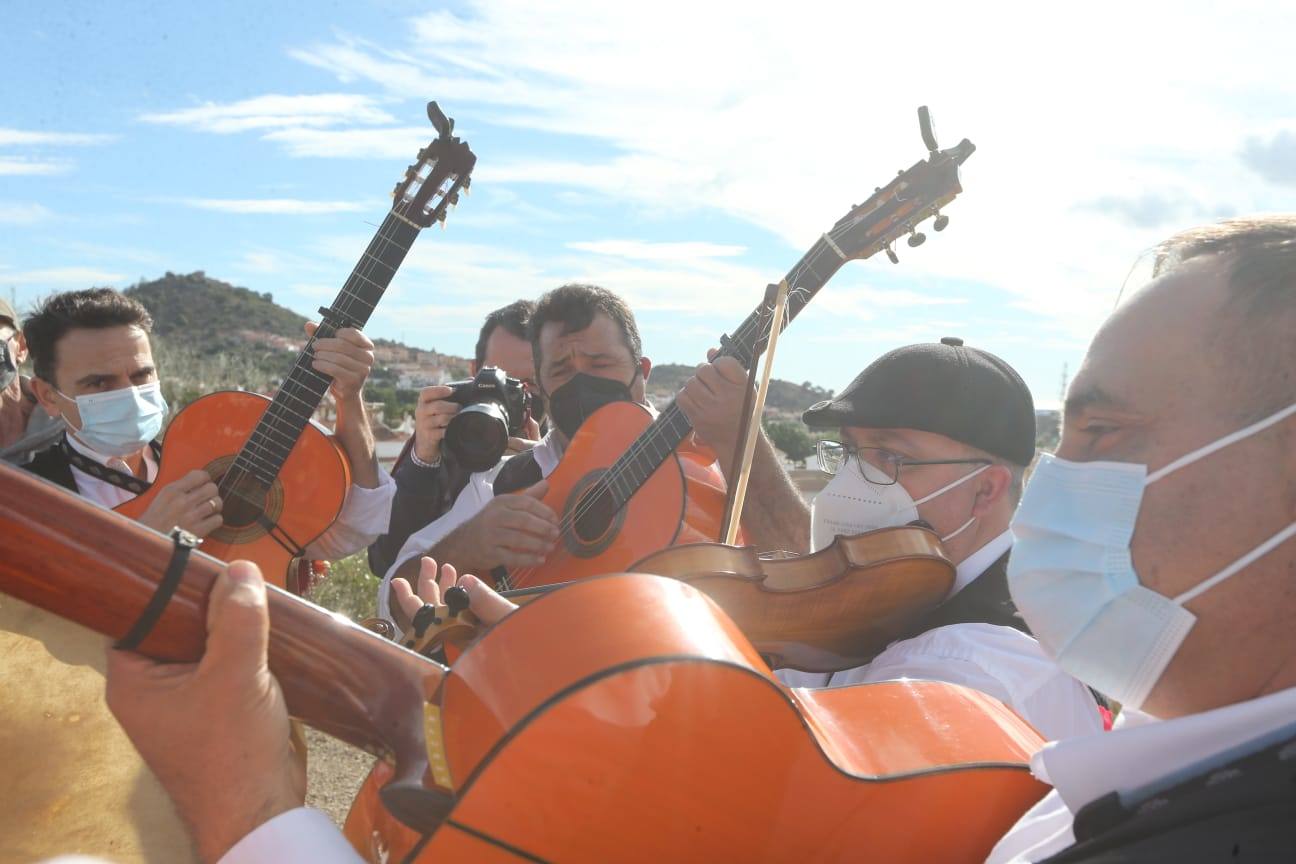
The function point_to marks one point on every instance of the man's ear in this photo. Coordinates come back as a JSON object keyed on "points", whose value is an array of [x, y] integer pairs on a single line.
{"points": [[20, 356], [645, 366], [473, 368], [992, 486], [46, 397]]}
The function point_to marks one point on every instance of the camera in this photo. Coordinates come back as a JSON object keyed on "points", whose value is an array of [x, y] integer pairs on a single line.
{"points": [[495, 406]]}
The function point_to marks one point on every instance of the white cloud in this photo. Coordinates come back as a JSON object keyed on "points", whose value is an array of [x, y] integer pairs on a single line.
{"points": [[22, 137], [275, 111], [277, 206], [641, 251], [14, 213], [26, 166], [787, 119], [383, 142]]}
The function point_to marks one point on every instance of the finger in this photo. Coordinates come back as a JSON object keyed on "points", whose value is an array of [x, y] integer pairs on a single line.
{"points": [[514, 560], [519, 445], [487, 605], [342, 360], [444, 410], [192, 480], [730, 370], [447, 579], [341, 374], [519, 520], [516, 540], [712, 353], [238, 624], [537, 491], [709, 378], [428, 588], [202, 493], [336, 350], [525, 504], [205, 525], [406, 599], [354, 337], [311, 327], [531, 429], [435, 393]]}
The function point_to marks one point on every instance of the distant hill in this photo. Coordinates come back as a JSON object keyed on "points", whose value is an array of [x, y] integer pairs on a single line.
{"points": [[210, 314], [784, 397], [210, 335]]}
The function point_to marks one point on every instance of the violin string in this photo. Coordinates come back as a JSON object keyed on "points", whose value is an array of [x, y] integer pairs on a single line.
{"points": [[520, 578]]}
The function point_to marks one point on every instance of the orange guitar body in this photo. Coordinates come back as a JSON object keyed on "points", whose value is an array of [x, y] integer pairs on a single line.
{"points": [[657, 733], [683, 501], [306, 497]]}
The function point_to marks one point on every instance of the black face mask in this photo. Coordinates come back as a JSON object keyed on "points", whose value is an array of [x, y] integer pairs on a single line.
{"points": [[573, 403], [8, 368]]}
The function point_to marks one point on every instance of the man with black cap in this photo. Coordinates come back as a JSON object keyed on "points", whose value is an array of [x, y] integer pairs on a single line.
{"points": [[24, 426], [939, 434]]}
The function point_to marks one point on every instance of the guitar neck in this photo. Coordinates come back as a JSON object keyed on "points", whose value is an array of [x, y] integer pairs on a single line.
{"points": [[671, 427], [303, 389]]}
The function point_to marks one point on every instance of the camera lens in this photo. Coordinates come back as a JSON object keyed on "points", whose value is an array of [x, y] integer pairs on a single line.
{"points": [[478, 435]]}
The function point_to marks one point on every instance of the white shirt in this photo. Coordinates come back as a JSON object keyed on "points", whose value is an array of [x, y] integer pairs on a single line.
{"points": [[1141, 753], [476, 495], [999, 661], [364, 517]]}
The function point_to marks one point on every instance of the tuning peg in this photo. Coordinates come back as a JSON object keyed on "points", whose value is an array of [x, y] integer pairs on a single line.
{"points": [[894, 258], [916, 239], [466, 184], [452, 199], [940, 222]]}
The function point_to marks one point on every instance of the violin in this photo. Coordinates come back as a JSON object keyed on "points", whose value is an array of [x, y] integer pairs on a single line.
{"points": [[629, 485], [622, 718], [833, 609]]}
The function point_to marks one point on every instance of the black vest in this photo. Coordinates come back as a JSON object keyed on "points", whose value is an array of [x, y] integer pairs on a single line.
{"points": [[1244, 810], [985, 600], [52, 464]]}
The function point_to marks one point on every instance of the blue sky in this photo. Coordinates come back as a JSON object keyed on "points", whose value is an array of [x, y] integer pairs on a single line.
{"points": [[681, 154]]}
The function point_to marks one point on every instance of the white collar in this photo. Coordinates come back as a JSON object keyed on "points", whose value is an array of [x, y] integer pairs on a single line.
{"points": [[1142, 750], [979, 561]]}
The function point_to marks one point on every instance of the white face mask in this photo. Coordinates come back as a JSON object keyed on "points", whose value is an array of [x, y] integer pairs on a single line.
{"points": [[851, 505], [119, 422], [1073, 580]]}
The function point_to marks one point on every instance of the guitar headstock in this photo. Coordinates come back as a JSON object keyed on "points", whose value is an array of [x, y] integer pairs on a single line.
{"points": [[433, 184], [897, 208]]}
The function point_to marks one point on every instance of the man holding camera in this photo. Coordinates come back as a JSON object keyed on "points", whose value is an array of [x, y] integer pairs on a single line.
{"points": [[587, 353], [429, 476]]}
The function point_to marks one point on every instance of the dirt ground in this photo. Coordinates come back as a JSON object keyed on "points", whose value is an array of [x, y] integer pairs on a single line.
{"points": [[334, 772]]}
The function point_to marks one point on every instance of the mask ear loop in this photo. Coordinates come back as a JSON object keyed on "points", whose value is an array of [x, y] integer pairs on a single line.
{"points": [[949, 486], [1259, 552], [1203, 452]]}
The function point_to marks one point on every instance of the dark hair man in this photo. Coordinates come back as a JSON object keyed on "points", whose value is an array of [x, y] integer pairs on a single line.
{"points": [[1180, 431], [586, 349], [939, 433], [428, 478], [24, 426], [94, 370]]}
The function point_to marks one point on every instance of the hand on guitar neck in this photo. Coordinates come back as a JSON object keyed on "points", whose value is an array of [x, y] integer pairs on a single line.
{"points": [[775, 518], [348, 358], [182, 718]]}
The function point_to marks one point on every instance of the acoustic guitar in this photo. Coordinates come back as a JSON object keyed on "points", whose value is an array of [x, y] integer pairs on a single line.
{"points": [[624, 468], [282, 479], [623, 718]]}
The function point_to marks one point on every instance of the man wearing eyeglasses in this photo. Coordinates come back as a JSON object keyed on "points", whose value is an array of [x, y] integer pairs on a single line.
{"points": [[938, 434]]}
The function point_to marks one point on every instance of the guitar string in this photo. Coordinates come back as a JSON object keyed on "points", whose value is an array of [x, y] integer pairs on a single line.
{"points": [[610, 481], [272, 420]]}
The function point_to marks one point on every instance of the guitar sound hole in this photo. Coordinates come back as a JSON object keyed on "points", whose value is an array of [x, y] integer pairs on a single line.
{"points": [[244, 502], [594, 517], [247, 503]]}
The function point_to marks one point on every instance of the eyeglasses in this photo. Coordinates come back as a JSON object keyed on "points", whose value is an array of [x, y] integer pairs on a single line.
{"points": [[880, 467]]}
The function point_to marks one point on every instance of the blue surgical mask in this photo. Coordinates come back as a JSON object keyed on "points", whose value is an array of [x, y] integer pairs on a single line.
{"points": [[1072, 577], [119, 422]]}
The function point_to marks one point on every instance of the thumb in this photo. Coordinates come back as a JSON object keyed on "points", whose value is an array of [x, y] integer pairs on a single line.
{"points": [[538, 491], [238, 622], [483, 602]]}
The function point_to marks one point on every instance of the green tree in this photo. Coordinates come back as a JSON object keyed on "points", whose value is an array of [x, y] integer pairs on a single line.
{"points": [[792, 438]]}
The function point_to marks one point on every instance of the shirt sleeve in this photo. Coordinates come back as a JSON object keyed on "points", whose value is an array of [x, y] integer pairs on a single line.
{"points": [[366, 514], [999, 661], [300, 836], [423, 494], [475, 495]]}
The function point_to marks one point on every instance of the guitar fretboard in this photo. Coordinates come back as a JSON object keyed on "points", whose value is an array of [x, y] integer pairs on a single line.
{"points": [[671, 427], [280, 428]]}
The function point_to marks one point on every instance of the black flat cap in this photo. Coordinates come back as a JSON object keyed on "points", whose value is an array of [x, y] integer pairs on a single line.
{"points": [[944, 387]]}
